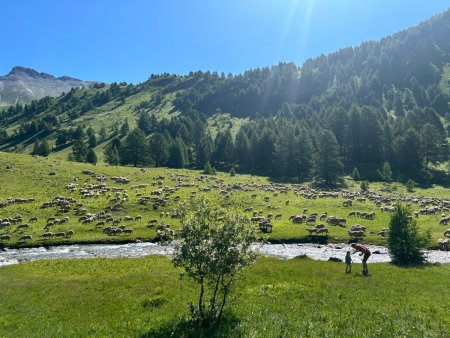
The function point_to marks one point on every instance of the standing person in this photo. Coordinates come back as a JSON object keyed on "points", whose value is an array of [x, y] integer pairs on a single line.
{"points": [[348, 263], [364, 251]]}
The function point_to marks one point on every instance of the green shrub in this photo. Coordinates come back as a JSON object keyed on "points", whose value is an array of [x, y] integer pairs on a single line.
{"points": [[405, 244], [410, 185]]}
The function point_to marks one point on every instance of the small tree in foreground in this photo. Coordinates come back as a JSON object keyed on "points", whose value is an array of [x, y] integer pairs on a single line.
{"points": [[405, 244], [213, 247]]}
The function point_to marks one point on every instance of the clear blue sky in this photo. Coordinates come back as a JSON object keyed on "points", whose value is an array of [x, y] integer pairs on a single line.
{"points": [[127, 40]]}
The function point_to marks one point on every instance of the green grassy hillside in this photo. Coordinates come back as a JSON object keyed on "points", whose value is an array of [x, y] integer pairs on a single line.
{"points": [[145, 297], [37, 180]]}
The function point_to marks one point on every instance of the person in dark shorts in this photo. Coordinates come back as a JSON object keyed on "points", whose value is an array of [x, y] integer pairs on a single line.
{"points": [[348, 263], [363, 251]]}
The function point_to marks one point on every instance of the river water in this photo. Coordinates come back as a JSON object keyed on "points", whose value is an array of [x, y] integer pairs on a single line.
{"points": [[281, 251]]}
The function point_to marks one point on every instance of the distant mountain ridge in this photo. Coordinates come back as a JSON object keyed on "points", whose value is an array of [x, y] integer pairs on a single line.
{"points": [[22, 85]]}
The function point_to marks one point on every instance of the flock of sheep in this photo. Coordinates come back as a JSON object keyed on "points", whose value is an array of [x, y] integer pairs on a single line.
{"points": [[164, 199]]}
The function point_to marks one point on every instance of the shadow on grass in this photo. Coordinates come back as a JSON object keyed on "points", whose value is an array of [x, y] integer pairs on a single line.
{"points": [[186, 328]]}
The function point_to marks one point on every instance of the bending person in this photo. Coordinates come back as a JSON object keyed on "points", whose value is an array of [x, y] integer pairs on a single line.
{"points": [[363, 251]]}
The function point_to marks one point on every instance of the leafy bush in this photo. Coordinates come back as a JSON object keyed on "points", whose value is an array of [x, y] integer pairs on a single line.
{"points": [[213, 247]]}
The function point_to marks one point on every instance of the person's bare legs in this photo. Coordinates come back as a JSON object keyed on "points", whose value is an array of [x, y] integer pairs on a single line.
{"points": [[365, 269]]}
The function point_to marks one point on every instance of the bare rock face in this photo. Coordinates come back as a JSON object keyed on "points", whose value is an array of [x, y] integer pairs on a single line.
{"points": [[22, 85]]}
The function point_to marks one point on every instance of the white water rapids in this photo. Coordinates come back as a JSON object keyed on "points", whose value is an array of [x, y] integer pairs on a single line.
{"points": [[282, 251]]}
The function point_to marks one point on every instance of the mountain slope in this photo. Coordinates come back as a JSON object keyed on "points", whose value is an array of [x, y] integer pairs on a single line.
{"points": [[383, 102], [22, 85]]}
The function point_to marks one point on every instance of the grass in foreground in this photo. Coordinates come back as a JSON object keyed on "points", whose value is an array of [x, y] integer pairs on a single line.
{"points": [[144, 298]]}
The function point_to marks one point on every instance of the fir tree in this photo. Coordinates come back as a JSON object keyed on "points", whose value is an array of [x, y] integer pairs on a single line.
{"points": [[91, 156], [134, 149], [328, 166], [404, 242]]}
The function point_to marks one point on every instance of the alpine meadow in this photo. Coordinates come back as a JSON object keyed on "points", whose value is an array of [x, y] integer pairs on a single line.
{"points": [[348, 151]]}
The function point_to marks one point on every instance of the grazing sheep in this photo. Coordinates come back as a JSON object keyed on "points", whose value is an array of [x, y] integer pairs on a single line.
{"points": [[443, 244], [265, 226], [5, 237], [25, 238], [278, 216], [69, 233], [60, 234], [358, 227], [33, 219], [47, 235], [447, 233], [322, 231], [23, 226], [297, 219], [354, 233]]}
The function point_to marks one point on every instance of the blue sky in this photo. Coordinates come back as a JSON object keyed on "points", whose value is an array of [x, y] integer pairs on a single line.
{"points": [[112, 40]]}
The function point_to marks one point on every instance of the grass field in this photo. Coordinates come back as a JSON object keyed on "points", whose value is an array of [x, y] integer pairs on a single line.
{"points": [[144, 297], [43, 179]]}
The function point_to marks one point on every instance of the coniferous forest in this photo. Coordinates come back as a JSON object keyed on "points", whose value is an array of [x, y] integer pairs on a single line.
{"points": [[379, 111]]}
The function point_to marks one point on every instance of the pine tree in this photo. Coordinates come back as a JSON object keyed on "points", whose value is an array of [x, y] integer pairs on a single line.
{"points": [[134, 149], [92, 141], [112, 155], [125, 128], [207, 170], [44, 148], [243, 149], [386, 172], [145, 123], [224, 148], [78, 134], [102, 134], [205, 148], [410, 185], [328, 166], [177, 155], [36, 147], [159, 149], [355, 174], [91, 156], [79, 151], [404, 242]]}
